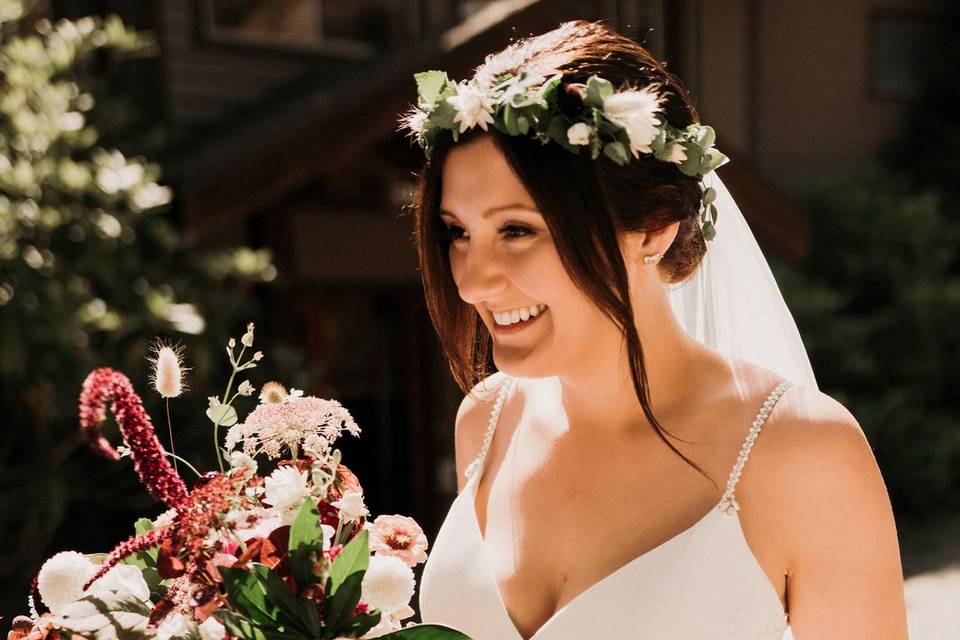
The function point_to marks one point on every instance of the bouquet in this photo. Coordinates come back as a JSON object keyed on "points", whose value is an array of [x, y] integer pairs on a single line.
{"points": [[291, 554]]}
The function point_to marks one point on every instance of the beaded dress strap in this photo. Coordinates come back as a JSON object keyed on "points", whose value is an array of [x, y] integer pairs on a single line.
{"points": [[477, 464], [728, 504]]}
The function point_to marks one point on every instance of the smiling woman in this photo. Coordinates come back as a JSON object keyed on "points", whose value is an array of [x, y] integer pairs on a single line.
{"points": [[545, 270]]}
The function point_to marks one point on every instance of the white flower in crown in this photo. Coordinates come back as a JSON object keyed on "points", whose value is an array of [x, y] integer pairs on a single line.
{"points": [[473, 107], [579, 133], [415, 120], [636, 112]]}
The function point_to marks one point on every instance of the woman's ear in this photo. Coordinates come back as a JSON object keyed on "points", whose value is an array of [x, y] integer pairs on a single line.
{"points": [[638, 244]]}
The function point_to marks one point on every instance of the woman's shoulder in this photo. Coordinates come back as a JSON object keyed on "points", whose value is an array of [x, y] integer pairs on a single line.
{"points": [[471, 422]]}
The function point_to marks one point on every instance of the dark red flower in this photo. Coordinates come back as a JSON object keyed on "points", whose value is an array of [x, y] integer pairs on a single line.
{"points": [[104, 385]]}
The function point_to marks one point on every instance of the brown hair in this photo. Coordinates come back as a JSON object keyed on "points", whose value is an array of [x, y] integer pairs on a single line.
{"points": [[584, 202]]}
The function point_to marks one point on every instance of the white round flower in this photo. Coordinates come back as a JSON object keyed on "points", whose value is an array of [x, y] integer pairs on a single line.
{"points": [[473, 107], [240, 460], [328, 533], [388, 584], [579, 133], [175, 626], [211, 629], [286, 488], [62, 577], [351, 505], [636, 112], [123, 581]]}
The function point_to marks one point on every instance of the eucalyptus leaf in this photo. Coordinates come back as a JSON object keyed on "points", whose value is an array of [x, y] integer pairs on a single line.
{"points": [[223, 414], [616, 152], [598, 90], [430, 84], [709, 195], [523, 125]]}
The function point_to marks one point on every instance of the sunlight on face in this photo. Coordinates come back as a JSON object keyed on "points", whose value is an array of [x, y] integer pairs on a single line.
{"points": [[503, 259]]}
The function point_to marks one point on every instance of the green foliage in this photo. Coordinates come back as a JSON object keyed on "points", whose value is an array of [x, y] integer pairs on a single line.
{"points": [[879, 306], [92, 266]]}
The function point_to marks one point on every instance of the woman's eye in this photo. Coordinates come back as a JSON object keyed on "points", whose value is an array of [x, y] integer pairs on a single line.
{"points": [[456, 232], [516, 231]]}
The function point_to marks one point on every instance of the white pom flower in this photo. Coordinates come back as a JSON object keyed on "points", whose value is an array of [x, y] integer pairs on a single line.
{"points": [[473, 107], [286, 488], [62, 577], [124, 581], [211, 629], [351, 505], [175, 626], [164, 519], [579, 133], [388, 584], [240, 460], [636, 112]]}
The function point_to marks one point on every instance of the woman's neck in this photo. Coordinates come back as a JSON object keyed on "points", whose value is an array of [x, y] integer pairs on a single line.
{"points": [[600, 393]]}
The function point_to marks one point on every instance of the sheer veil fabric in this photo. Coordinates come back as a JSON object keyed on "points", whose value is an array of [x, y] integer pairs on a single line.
{"points": [[732, 302]]}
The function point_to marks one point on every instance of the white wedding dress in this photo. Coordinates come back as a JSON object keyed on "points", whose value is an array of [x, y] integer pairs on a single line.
{"points": [[704, 583]]}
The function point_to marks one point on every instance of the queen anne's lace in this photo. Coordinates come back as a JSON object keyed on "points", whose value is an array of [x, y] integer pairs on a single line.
{"points": [[301, 421]]}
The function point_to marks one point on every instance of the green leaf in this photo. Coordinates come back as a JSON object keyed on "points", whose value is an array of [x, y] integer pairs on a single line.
{"points": [[338, 606], [706, 137], [709, 195], [306, 539], [523, 125], [247, 594], [691, 165], [222, 414], [426, 632], [353, 558], [598, 90], [239, 626], [279, 594], [616, 152], [709, 232], [430, 84]]}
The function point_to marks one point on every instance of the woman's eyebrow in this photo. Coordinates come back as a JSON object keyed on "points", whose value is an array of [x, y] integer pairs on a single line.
{"points": [[492, 210]]}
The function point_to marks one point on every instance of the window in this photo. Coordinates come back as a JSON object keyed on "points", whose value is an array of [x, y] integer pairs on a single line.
{"points": [[350, 29]]}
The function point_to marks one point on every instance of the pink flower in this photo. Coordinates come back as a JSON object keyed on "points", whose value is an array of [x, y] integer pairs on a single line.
{"points": [[219, 560], [398, 536]]}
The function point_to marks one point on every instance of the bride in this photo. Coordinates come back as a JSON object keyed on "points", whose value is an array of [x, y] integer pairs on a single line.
{"points": [[565, 224]]}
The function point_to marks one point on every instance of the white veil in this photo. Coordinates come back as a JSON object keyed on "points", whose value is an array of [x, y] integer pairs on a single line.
{"points": [[732, 302]]}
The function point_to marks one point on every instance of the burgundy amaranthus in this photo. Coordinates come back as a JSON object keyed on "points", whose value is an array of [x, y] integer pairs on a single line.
{"points": [[149, 459]]}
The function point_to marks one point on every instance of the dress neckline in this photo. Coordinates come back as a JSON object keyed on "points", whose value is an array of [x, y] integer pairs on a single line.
{"points": [[727, 505], [471, 492]]}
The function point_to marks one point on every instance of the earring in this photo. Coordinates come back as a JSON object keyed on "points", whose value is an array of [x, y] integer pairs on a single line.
{"points": [[655, 258]]}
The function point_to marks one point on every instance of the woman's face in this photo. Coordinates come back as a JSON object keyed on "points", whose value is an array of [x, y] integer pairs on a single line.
{"points": [[504, 260]]}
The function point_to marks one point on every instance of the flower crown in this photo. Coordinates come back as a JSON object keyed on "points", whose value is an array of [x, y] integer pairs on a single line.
{"points": [[574, 115]]}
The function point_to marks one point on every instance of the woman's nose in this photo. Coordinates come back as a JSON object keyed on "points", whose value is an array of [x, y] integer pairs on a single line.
{"points": [[479, 276]]}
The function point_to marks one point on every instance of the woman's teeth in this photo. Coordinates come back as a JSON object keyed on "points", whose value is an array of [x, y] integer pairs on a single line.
{"points": [[518, 315]]}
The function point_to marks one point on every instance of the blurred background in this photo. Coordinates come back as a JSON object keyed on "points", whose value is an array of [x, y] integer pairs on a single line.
{"points": [[177, 168]]}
